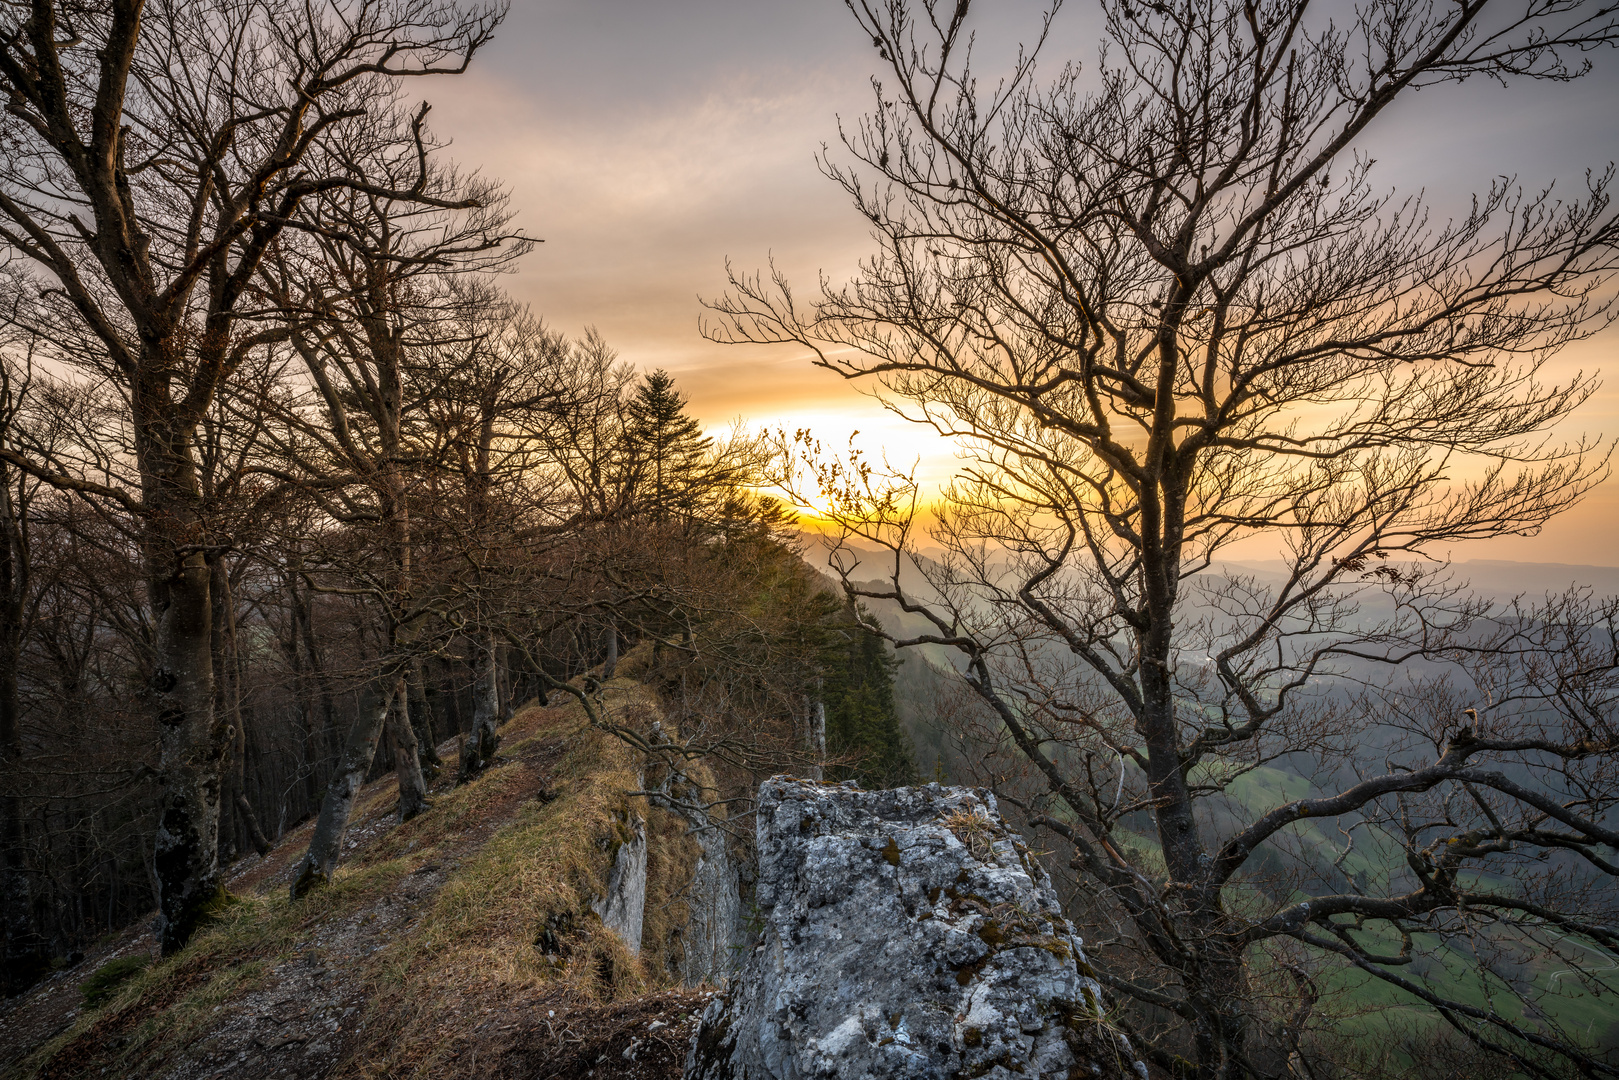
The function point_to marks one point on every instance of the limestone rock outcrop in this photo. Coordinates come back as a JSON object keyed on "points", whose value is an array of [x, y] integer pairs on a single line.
{"points": [[907, 933], [623, 909], [714, 929]]}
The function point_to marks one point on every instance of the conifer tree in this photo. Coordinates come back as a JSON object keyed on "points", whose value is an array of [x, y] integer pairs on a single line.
{"points": [[668, 453], [862, 721]]}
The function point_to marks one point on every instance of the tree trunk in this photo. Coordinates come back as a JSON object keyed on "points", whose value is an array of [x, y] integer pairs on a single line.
{"points": [[220, 643], [192, 744], [458, 715], [326, 844], [250, 822], [610, 664], [818, 736], [1217, 990], [23, 957], [328, 698], [313, 743], [407, 754], [421, 722], [478, 749], [228, 691], [193, 738], [438, 687], [503, 683], [250, 830]]}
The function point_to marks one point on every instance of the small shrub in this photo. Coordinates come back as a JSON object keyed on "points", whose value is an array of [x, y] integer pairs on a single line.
{"points": [[110, 976]]}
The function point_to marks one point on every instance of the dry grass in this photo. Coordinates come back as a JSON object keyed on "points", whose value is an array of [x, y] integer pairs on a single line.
{"points": [[975, 831], [526, 845], [165, 1008], [478, 946]]}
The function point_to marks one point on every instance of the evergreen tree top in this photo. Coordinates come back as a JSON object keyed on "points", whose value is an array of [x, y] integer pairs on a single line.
{"points": [[658, 420]]}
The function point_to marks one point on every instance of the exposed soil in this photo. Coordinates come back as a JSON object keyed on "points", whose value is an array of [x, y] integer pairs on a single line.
{"points": [[643, 1039], [296, 1023]]}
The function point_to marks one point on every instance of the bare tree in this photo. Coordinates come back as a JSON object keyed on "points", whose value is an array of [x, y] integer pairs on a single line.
{"points": [[1164, 310], [496, 385], [370, 286], [153, 153]]}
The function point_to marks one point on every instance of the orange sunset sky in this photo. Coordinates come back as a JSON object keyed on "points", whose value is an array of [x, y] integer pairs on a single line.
{"points": [[648, 141]]}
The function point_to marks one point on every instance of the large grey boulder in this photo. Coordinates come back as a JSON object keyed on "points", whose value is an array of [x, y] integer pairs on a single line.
{"points": [[907, 933]]}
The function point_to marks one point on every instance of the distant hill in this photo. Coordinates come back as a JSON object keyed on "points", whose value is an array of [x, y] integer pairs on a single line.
{"points": [[1496, 578], [1500, 577]]}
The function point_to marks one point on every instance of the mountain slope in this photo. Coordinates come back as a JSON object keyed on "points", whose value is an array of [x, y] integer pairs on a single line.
{"points": [[462, 943]]}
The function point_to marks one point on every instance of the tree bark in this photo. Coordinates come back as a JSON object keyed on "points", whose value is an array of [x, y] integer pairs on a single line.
{"points": [[478, 748], [192, 745], [326, 843], [818, 736], [251, 830], [193, 739], [421, 722], [407, 755], [250, 821]]}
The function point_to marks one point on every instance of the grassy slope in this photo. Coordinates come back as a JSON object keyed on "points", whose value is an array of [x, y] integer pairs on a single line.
{"points": [[424, 950]]}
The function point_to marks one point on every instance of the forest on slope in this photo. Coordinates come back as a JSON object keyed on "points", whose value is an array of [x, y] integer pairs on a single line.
{"points": [[464, 943]]}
